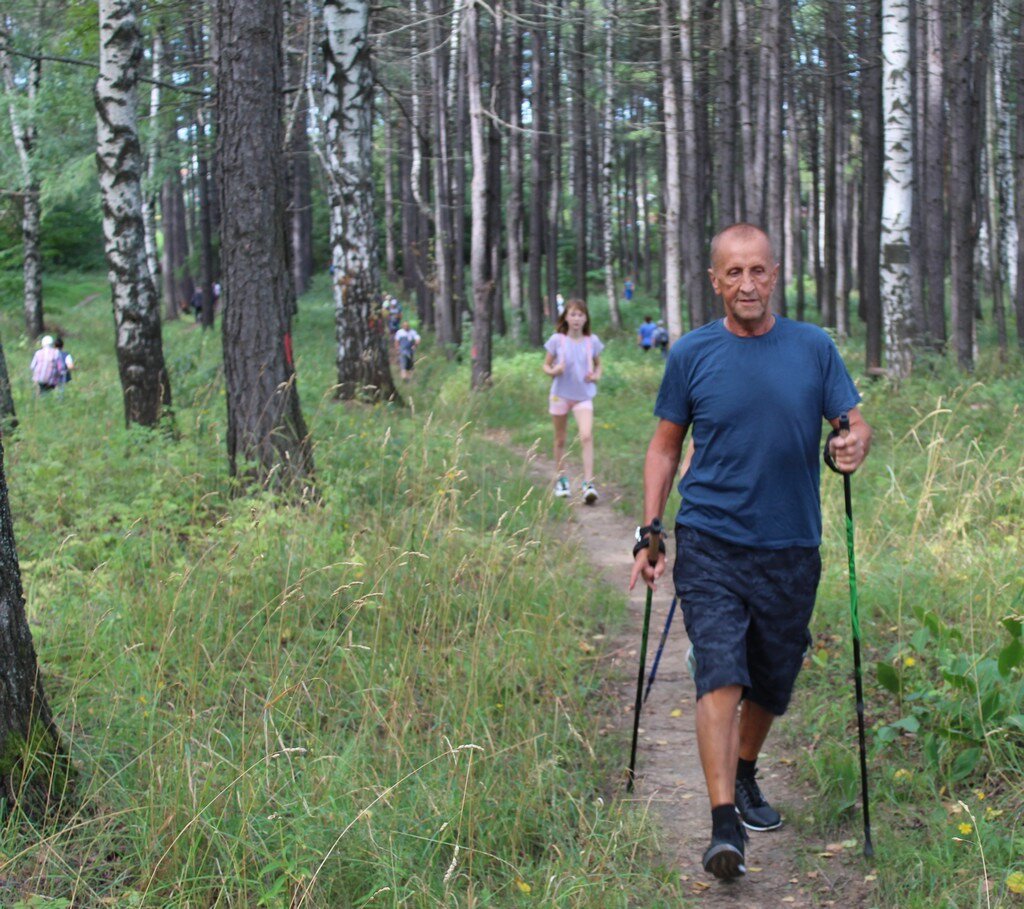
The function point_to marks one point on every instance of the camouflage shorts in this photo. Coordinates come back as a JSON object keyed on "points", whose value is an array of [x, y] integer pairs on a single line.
{"points": [[747, 613]]}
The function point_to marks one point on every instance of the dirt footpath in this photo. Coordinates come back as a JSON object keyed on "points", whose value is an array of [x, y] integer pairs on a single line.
{"points": [[785, 867]]}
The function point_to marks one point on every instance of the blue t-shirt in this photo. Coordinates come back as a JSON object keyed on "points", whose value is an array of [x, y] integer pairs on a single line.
{"points": [[755, 408], [645, 333]]}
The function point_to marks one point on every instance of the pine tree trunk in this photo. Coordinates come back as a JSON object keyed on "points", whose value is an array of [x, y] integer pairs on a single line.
{"points": [[964, 144], [267, 440], [36, 772], [363, 368], [673, 188], [23, 131], [775, 209], [8, 418], [140, 358], [725, 139]]}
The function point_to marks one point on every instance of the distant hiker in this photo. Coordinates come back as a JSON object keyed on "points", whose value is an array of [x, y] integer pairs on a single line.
{"points": [[573, 361], [645, 334], [47, 366], [196, 303], [67, 361], [406, 340], [661, 338], [754, 387], [394, 315], [627, 290], [559, 305]]}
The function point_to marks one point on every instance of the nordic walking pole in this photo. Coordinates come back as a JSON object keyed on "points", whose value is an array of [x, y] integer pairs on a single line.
{"points": [[652, 557], [869, 850], [661, 647]]}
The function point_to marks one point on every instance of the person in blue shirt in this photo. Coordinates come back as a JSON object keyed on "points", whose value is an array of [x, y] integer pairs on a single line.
{"points": [[645, 334], [752, 388]]}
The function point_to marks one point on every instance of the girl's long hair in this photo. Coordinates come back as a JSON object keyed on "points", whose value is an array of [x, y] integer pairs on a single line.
{"points": [[563, 322]]}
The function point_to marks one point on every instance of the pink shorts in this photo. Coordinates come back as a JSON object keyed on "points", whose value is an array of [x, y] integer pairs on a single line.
{"points": [[560, 407]]}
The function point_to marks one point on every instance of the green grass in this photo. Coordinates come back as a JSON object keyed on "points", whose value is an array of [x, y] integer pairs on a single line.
{"points": [[381, 699]]}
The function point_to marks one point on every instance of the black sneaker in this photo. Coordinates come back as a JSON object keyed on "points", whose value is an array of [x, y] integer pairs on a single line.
{"points": [[724, 857], [753, 809]]}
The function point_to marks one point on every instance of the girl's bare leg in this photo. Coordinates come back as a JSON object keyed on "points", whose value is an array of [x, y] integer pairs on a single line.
{"points": [[560, 423], [585, 423]]}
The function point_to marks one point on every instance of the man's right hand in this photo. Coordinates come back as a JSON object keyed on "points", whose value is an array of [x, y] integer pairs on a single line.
{"points": [[644, 569]]}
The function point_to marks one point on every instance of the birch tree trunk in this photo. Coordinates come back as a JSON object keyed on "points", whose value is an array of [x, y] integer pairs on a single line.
{"points": [[692, 252], [897, 193], [538, 162], [608, 163], [578, 145], [872, 167], [514, 220], [389, 195], [932, 179], [483, 286], [363, 368], [150, 190], [140, 358], [23, 131], [1018, 73], [445, 308], [672, 189], [1003, 225], [267, 441]]}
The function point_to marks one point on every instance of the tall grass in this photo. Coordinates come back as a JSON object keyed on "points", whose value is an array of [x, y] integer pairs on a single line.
{"points": [[377, 698]]}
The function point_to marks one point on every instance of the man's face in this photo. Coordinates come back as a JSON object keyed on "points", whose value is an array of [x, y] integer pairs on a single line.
{"points": [[744, 276]]}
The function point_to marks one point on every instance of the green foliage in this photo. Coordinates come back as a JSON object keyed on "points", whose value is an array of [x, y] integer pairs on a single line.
{"points": [[272, 701]]}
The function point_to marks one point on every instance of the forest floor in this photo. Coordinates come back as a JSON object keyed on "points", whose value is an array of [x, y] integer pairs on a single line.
{"points": [[787, 867]]}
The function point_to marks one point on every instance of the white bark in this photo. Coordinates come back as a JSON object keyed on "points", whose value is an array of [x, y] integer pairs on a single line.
{"points": [[673, 193], [152, 150], [347, 105], [897, 199], [119, 160], [1001, 161], [608, 164], [24, 133], [483, 286]]}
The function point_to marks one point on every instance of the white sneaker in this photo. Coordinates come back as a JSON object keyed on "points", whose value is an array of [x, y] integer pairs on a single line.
{"points": [[589, 493], [561, 487]]}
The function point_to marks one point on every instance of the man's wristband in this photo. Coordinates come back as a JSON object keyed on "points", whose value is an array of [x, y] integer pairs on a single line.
{"points": [[643, 539], [826, 452]]}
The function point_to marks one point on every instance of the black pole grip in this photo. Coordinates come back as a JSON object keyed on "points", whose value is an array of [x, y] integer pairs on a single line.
{"points": [[653, 543]]}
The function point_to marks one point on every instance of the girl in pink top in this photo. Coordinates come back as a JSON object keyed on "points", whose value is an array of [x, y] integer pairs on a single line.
{"points": [[573, 360]]}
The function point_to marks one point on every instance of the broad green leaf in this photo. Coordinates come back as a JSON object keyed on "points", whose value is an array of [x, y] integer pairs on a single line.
{"points": [[965, 763], [1011, 656], [888, 678]]}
